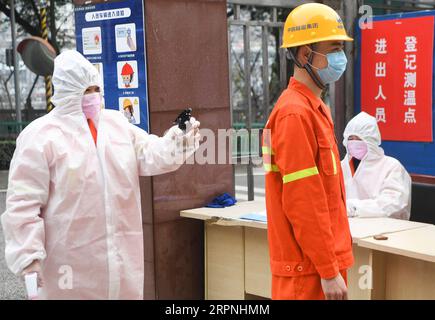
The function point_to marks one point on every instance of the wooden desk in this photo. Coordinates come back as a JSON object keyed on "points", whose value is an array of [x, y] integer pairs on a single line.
{"points": [[404, 265], [229, 216], [236, 251], [361, 228], [237, 254], [366, 279]]}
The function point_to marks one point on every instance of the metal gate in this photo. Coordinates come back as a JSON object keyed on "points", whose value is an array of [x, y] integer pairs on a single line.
{"points": [[259, 72]]}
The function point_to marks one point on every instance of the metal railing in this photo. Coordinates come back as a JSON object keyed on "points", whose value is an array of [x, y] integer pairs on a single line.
{"points": [[249, 144], [11, 129], [270, 3]]}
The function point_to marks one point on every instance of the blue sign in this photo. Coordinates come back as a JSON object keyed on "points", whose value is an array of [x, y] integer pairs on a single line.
{"points": [[111, 36], [417, 157]]}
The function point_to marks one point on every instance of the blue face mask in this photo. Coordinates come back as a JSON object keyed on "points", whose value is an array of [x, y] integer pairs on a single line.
{"points": [[337, 62]]}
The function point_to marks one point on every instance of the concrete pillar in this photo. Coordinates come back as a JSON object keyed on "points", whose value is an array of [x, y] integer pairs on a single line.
{"points": [[187, 52]]}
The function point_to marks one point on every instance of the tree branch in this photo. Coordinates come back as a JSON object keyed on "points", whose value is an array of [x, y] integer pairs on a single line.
{"points": [[23, 23], [36, 10]]}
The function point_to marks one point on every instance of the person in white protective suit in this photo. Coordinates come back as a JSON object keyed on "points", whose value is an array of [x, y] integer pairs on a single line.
{"points": [[376, 185], [73, 208]]}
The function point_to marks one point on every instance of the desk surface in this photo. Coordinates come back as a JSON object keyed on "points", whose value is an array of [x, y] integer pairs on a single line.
{"points": [[359, 227], [416, 243], [229, 216]]}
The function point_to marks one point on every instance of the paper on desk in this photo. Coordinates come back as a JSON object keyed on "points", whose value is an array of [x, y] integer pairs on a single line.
{"points": [[368, 227], [259, 216]]}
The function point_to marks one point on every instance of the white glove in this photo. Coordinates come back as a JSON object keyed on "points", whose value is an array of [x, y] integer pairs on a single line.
{"points": [[184, 144], [351, 209], [192, 136]]}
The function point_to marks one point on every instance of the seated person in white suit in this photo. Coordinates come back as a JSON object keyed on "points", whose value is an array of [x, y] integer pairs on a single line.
{"points": [[376, 185]]}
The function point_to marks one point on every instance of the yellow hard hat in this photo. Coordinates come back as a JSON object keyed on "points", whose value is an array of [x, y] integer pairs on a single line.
{"points": [[313, 22], [127, 103]]}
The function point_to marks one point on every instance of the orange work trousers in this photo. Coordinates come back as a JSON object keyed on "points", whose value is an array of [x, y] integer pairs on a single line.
{"points": [[299, 288]]}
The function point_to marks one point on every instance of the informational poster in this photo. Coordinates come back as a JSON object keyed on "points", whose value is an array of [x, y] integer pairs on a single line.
{"points": [[394, 82], [111, 36], [396, 77]]}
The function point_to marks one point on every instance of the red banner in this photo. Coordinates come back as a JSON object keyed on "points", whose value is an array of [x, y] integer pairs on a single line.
{"points": [[396, 77]]}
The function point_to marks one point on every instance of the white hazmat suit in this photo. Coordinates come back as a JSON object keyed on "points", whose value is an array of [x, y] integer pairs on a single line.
{"points": [[380, 187], [76, 206]]}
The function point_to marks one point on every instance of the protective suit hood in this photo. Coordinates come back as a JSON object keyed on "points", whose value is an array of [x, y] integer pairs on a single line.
{"points": [[366, 128], [72, 75]]}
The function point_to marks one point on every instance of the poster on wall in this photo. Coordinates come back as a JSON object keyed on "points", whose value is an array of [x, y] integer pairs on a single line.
{"points": [[396, 77], [111, 36]]}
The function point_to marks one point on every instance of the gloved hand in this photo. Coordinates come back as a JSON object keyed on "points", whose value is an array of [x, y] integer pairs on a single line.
{"points": [[192, 137], [35, 266], [351, 209], [184, 144]]}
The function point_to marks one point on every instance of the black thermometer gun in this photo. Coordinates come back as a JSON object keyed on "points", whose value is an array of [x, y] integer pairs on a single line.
{"points": [[182, 118]]}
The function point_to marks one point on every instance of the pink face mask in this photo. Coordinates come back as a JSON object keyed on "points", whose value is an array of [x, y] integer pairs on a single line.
{"points": [[357, 149], [91, 104]]}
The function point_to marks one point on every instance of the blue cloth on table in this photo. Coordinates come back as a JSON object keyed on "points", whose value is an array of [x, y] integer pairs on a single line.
{"points": [[222, 201]]}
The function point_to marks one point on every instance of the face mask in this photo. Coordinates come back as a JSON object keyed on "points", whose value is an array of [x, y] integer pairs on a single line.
{"points": [[357, 149], [91, 104], [337, 62]]}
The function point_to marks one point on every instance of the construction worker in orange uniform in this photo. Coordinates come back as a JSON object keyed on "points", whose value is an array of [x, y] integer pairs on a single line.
{"points": [[309, 239]]}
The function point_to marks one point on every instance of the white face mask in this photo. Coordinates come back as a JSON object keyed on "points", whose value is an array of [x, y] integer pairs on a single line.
{"points": [[91, 104]]}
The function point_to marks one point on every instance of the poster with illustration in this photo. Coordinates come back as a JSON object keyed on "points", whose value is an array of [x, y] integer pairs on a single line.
{"points": [[125, 35], [127, 75], [91, 38], [111, 35], [129, 106]]}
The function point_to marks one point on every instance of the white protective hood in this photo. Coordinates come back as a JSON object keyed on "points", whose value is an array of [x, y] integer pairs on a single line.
{"points": [[72, 75], [366, 128]]}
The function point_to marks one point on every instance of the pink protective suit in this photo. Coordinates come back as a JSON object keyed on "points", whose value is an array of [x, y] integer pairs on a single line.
{"points": [[76, 206]]}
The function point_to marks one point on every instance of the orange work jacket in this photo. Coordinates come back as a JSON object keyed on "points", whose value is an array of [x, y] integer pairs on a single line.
{"points": [[308, 228]]}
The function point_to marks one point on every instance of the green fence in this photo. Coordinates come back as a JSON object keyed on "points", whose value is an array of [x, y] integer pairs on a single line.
{"points": [[9, 131], [7, 148]]}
